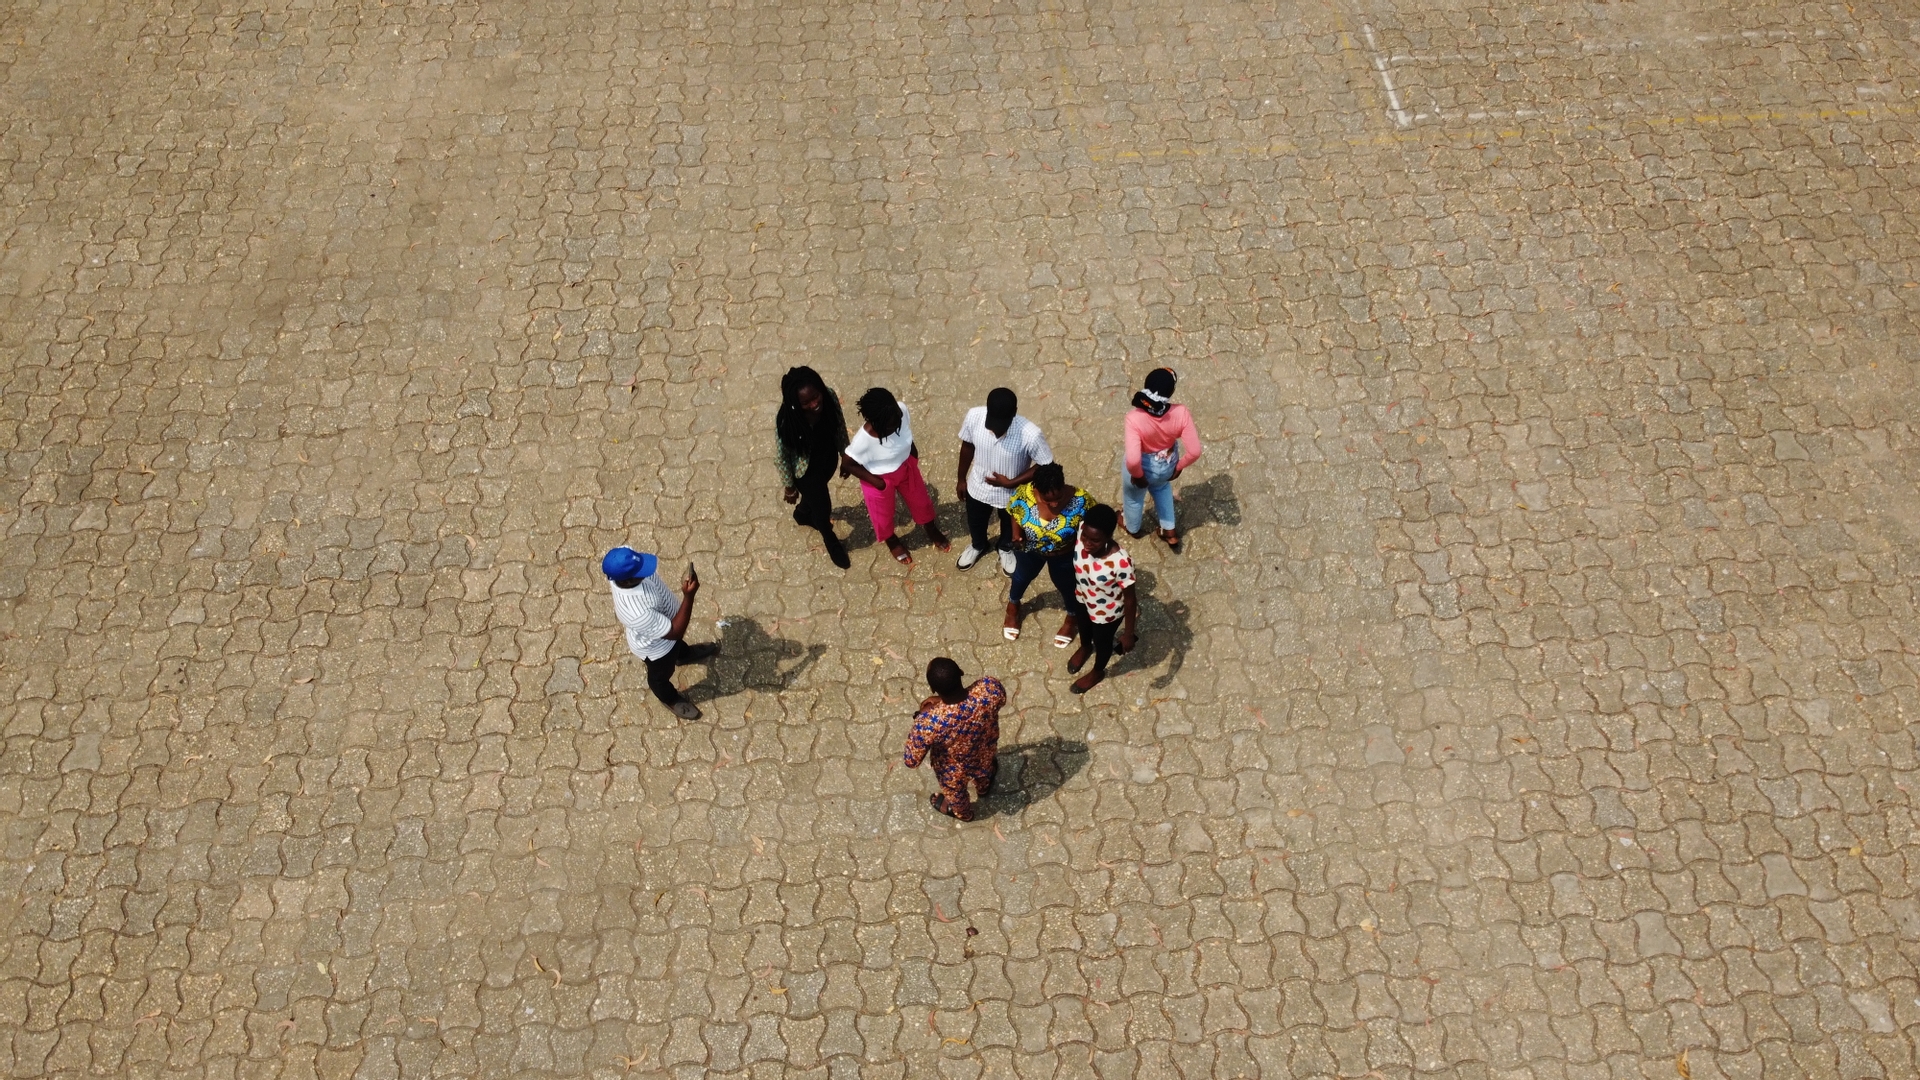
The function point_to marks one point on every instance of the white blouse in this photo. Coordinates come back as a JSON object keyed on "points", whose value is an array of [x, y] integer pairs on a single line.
{"points": [[883, 456]]}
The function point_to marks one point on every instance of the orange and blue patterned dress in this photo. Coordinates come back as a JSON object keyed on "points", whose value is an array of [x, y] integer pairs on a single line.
{"points": [[961, 739]]}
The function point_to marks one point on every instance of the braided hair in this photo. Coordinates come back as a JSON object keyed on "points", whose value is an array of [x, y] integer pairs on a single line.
{"points": [[795, 428], [881, 410], [1050, 478]]}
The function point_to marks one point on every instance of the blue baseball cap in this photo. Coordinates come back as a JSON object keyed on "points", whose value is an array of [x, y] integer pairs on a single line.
{"points": [[624, 562]]}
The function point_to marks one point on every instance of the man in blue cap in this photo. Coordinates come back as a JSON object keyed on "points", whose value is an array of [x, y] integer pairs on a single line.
{"points": [[656, 622]]}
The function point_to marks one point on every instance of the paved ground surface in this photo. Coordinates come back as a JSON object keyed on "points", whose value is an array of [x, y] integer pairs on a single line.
{"points": [[1534, 700]]}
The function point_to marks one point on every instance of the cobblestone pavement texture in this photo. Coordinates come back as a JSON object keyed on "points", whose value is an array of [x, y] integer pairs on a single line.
{"points": [[1533, 701]]}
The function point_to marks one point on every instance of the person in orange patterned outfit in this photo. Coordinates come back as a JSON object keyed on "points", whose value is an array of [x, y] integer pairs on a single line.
{"points": [[960, 730]]}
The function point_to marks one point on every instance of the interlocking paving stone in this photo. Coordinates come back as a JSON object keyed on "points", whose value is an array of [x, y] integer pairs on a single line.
{"points": [[1532, 699]]}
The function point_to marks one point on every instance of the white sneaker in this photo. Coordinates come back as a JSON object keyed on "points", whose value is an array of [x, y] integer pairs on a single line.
{"points": [[1007, 563], [969, 557]]}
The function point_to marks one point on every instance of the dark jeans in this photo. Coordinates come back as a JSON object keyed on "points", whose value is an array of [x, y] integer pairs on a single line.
{"points": [[1059, 565], [978, 514], [1099, 636], [660, 674]]}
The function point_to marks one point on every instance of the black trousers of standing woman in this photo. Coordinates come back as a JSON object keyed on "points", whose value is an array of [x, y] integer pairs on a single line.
{"points": [[816, 505], [1098, 636]]}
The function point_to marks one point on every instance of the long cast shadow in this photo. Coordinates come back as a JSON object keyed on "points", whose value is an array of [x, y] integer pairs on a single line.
{"points": [[1025, 773], [752, 659], [1165, 635], [853, 525], [856, 528], [1209, 502]]}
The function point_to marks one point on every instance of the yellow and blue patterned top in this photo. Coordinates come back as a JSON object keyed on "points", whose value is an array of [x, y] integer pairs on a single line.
{"points": [[1040, 534]]}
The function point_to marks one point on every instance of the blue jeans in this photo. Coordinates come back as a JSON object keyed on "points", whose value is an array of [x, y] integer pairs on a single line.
{"points": [[1026, 567], [1157, 470]]}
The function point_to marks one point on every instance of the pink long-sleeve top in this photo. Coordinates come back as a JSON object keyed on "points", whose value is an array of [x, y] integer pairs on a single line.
{"points": [[1147, 434]]}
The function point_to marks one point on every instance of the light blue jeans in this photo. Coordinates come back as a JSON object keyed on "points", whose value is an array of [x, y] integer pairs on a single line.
{"points": [[1157, 470]]}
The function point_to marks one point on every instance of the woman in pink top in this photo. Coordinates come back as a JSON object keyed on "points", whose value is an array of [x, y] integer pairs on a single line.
{"points": [[1161, 443]]}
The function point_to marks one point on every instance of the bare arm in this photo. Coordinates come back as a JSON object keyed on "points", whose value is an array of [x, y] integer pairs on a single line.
{"points": [[850, 467], [1014, 481], [1189, 444], [678, 631], [966, 463]]}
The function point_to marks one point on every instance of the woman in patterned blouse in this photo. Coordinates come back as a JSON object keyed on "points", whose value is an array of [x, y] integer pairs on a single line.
{"points": [[1046, 513], [1103, 572]]}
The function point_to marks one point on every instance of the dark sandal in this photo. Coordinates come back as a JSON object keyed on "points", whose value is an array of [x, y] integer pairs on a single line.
{"points": [[1098, 677], [940, 804]]}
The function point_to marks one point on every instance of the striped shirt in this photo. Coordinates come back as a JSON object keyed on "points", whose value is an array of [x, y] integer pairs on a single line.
{"points": [[646, 611], [1022, 447]]}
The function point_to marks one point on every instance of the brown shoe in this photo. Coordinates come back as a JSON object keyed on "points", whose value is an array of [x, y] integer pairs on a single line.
{"points": [[944, 807]]}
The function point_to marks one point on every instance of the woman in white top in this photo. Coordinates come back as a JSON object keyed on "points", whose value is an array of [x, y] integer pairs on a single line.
{"points": [[883, 456]]}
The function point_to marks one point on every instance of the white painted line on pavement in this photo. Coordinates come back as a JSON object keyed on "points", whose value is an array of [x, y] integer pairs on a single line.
{"points": [[1400, 117]]}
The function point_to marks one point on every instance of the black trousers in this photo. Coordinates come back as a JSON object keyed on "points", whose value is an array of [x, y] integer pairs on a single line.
{"points": [[1099, 636], [978, 514], [660, 675], [816, 502]]}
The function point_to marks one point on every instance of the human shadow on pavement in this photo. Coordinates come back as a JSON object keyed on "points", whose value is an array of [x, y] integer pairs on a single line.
{"points": [[856, 528], [752, 659], [853, 525], [1165, 635], [1209, 502], [1025, 773]]}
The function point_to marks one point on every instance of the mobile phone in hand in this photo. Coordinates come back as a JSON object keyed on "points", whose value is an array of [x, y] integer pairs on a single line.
{"points": [[691, 575]]}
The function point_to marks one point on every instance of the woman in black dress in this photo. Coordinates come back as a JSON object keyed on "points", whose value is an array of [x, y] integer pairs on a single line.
{"points": [[812, 431]]}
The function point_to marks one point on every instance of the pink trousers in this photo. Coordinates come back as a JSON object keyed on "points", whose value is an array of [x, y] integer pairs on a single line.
{"points": [[906, 481]]}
